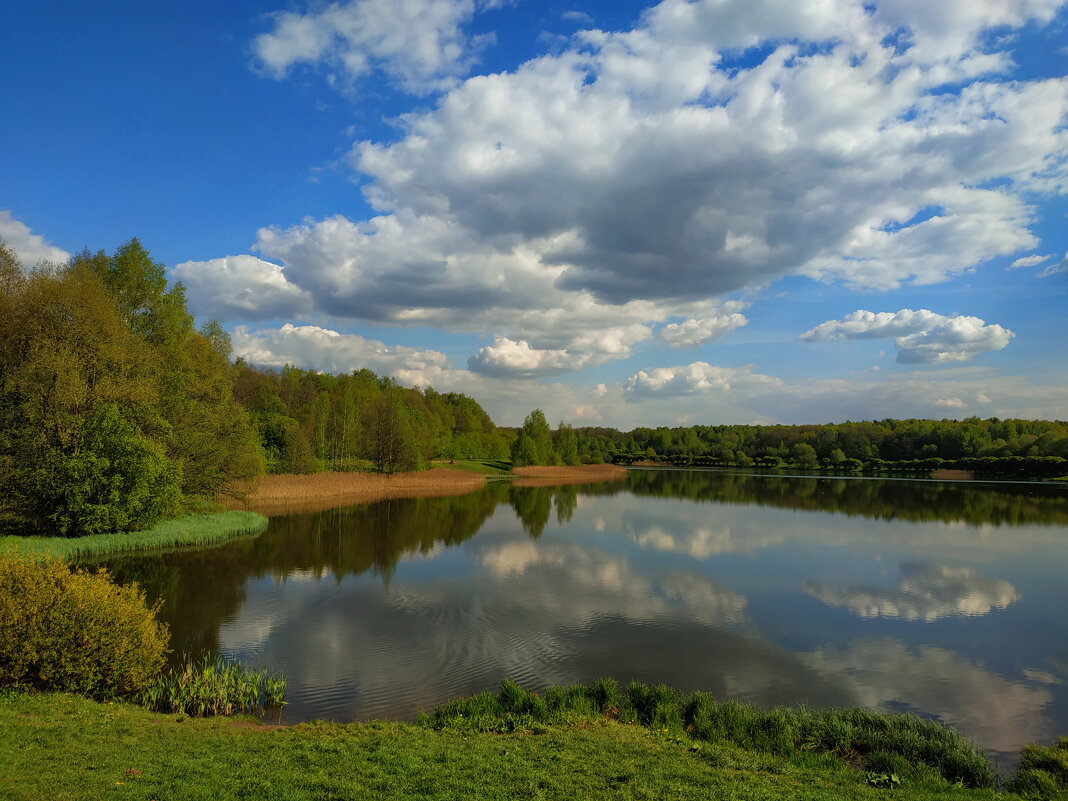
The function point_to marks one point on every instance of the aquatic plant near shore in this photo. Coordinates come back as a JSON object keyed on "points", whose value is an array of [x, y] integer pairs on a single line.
{"points": [[214, 687], [883, 743]]}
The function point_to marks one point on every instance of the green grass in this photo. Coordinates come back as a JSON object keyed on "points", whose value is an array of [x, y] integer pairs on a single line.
{"points": [[902, 744], [65, 747], [489, 467], [191, 530]]}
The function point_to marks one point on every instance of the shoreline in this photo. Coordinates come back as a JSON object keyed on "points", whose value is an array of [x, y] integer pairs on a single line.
{"points": [[286, 493], [196, 530]]}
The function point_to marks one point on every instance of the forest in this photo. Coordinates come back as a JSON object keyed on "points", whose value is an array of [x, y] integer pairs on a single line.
{"points": [[116, 411]]}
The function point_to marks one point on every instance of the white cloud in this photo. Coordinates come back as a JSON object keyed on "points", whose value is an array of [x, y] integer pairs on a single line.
{"points": [[700, 392], [240, 287], [420, 44], [330, 351], [697, 378], [921, 337], [692, 332], [644, 172], [1031, 261], [506, 357], [30, 248]]}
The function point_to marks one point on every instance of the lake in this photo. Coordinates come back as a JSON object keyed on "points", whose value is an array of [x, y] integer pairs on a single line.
{"points": [[949, 599]]}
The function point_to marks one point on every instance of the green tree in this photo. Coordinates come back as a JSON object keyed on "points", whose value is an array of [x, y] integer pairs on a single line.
{"points": [[391, 443], [567, 444], [536, 429]]}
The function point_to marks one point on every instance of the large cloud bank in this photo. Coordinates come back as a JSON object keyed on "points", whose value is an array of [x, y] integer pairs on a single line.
{"points": [[624, 185]]}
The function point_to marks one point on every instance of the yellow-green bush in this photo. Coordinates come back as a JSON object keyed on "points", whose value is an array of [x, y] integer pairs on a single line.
{"points": [[75, 631]]}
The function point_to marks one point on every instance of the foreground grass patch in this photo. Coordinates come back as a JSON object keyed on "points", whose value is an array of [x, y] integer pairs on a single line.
{"points": [[899, 744], [61, 746], [191, 530]]}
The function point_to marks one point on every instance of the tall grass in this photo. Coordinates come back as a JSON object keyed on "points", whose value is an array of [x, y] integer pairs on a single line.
{"points": [[191, 530], [214, 687], [891, 743]]}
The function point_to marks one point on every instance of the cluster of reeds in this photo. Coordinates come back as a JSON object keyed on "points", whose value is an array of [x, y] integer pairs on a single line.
{"points": [[882, 742], [215, 687]]}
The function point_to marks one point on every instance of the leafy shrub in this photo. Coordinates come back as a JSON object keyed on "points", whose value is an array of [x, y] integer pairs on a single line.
{"points": [[118, 480], [75, 631]]}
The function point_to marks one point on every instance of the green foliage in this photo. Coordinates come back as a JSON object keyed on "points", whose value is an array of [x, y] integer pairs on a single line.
{"points": [[75, 631], [534, 445], [1043, 772], [118, 480], [904, 743], [214, 687], [111, 404]]}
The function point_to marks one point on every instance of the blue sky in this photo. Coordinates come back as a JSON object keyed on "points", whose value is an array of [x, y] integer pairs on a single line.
{"points": [[700, 211]]}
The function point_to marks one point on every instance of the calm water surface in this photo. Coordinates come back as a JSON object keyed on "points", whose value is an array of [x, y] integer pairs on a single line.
{"points": [[948, 599]]}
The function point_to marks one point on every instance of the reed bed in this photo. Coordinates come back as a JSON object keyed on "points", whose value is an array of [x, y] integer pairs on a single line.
{"points": [[286, 494], [179, 532], [549, 476], [898, 744], [215, 687]]}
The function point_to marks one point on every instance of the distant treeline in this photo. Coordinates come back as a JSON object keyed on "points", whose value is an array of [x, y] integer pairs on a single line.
{"points": [[1033, 447], [115, 411]]}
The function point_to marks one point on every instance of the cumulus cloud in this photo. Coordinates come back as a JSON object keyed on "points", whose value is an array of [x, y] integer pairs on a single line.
{"points": [[636, 177], [697, 378], [694, 332], [241, 287], [506, 357], [312, 346], [921, 337], [420, 44], [30, 248], [926, 592]]}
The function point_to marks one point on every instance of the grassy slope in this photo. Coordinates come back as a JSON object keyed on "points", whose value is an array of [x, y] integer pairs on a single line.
{"points": [[199, 530], [65, 747], [489, 468]]}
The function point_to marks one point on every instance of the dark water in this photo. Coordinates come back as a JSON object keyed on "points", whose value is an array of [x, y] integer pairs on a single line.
{"points": [[949, 599]]}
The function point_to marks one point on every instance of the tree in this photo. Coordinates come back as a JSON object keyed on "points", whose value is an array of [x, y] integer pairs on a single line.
{"points": [[540, 451], [567, 444], [390, 442]]}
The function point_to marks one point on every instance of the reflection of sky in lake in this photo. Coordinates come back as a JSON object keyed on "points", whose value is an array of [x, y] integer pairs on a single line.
{"points": [[770, 604]]}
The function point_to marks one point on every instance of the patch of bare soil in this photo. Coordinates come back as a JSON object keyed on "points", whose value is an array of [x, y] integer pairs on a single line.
{"points": [[952, 475]]}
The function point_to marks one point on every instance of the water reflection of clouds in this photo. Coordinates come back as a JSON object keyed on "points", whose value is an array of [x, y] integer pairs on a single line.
{"points": [[885, 674], [926, 592], [558, 612]]}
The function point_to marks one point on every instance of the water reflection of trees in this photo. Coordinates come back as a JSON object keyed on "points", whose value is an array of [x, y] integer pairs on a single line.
{"points": [[200, 589], [885, 499]]}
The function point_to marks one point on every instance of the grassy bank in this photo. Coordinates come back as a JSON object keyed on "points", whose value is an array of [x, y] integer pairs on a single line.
{"points": [[486, 467], [65, 747], [191, 530]]}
